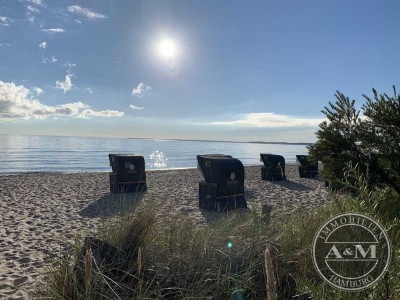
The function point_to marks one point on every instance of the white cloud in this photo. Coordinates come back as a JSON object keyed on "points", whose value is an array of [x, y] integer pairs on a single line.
{"points": [[86, 12], [270, 120], [43, 45], [87, 113], [135, 107], [32, 9], [141, 89], [15, 104], [37, 90], [5, 21], [54, 30], [31, 20], [69, 65], [89, 90], [37, 2], [51, 60], [65, 85], [4, 45]]}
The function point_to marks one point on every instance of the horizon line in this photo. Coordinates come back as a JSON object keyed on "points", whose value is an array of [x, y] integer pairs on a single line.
{"points": [[166, 139]]}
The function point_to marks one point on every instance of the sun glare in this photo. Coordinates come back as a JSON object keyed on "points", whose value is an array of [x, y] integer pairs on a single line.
{"points": [[167, 48]]}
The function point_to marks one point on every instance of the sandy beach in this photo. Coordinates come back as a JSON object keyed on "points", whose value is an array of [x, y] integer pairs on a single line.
{"points": [[41, 212]]}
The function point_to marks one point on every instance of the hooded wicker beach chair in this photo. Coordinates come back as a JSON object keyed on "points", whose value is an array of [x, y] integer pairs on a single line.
{"points": [[307, 168], [274, 167], [223, 185], [128, 173]]}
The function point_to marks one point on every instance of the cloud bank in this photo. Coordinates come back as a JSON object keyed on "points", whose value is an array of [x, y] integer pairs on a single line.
{"points": [[16, 104], [141, 89], [270, 120]]}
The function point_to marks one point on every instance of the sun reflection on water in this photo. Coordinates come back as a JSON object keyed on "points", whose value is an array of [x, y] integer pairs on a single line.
{"points": [[157, 160]]}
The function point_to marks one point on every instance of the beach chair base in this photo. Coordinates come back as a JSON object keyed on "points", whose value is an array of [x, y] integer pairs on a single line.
{"points": [[209, 200], [269, 174], [307, 172], [117, 187]]}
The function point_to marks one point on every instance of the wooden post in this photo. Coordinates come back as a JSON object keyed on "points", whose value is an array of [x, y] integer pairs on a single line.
{"points": [[269, 271]]}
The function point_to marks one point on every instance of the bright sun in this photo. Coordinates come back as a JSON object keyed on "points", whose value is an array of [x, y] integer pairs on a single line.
{"points": [[167, 48]]}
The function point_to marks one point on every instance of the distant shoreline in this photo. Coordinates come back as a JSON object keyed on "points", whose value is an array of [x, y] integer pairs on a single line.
{"points": [[215, 141], [168, 139]]}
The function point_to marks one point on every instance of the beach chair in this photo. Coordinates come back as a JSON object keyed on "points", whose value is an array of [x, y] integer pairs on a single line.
{"points": [[307, 168], [274, 167], [223, 185], [128, 173]]}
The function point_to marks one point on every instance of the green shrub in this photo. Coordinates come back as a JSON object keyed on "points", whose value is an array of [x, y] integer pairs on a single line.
{"points": [[369, 137]]}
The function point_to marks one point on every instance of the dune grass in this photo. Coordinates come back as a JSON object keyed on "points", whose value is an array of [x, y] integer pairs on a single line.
{"points": [[222, 260]]}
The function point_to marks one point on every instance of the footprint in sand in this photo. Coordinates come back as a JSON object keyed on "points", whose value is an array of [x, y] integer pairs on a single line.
{"points": [[20, 281]]}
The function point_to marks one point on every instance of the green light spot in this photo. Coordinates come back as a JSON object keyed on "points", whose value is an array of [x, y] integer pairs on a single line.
{"points": [[230, 245]]}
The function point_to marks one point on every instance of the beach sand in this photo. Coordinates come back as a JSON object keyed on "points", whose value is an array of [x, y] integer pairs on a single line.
{"points": [[40, 213]]}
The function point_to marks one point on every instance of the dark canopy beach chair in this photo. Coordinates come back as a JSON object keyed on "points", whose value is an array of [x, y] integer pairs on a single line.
{"points": [[223, 187], [128, 173], [274, 167], [307, 168]]}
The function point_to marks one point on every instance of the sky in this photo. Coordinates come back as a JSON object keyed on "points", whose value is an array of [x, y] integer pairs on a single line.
{"points": [[188, 69]]}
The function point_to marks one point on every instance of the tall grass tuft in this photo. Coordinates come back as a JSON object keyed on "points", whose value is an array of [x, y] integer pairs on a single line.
{"points": [[222, 260]]}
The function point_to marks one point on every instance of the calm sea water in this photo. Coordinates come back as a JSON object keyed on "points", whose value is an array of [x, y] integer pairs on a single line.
{"points": [[19, 153]]}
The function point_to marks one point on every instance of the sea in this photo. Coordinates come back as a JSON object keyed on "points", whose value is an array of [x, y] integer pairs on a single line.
{"points": [[27, 153]]}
